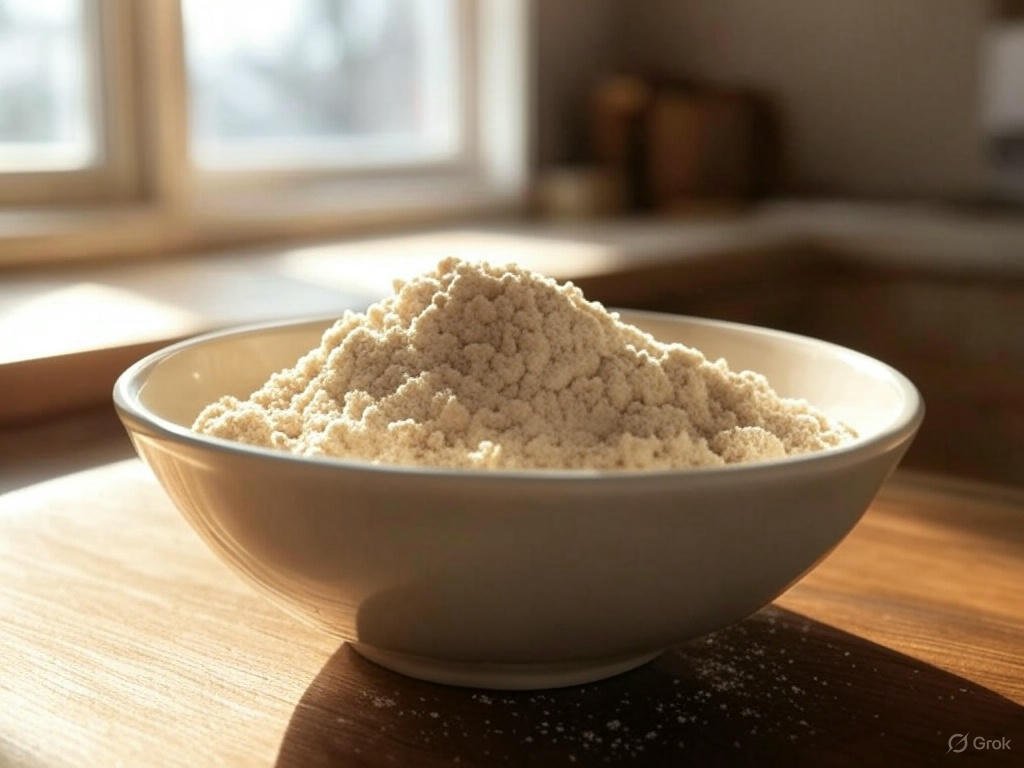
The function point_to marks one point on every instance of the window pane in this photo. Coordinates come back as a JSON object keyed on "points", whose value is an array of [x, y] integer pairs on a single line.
{"points": [[44, 99], [322, 82]]}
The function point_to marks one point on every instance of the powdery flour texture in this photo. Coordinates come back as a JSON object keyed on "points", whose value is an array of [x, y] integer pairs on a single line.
{"points": [[501, 368]]}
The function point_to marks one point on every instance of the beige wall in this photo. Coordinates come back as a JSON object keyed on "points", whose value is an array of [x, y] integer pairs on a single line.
{"points": [[879, 97]]}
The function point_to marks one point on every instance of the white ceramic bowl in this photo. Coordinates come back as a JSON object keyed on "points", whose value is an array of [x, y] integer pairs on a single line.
{"points": [[517, 579]]}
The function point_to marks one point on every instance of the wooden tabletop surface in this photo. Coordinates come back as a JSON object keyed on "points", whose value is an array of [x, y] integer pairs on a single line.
{"points": [[125, 642]]}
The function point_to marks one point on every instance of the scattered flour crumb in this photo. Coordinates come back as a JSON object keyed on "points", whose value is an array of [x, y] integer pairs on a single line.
{"points": [[476, 366]]}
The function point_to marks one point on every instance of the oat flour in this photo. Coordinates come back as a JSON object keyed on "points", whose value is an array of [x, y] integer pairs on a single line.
{"points": [[478, 366]]}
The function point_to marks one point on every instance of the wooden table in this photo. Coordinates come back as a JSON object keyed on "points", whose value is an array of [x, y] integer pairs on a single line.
{"points": [[126, 643]]}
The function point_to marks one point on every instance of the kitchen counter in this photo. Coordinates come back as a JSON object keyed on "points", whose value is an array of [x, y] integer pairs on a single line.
{"points": [[64, 309], [126, 642], [936, 292]]}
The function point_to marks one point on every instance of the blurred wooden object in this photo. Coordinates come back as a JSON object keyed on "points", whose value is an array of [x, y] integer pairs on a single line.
{"points": [[618, 110], [684, 147], [700, 146]]}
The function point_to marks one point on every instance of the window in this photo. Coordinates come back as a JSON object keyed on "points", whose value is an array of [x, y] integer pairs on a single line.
{"points": [[183, 108], [62, 104], [316, 83], [47, 120]]}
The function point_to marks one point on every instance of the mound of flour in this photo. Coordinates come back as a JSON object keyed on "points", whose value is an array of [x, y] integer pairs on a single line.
{"points": [[480, 366]]}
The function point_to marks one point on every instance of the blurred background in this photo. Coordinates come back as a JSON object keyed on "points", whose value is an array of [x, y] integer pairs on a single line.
{"points": [[852, 170]]}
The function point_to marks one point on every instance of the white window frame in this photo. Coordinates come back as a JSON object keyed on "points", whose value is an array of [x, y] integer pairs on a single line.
{"points": [[163, 202]]}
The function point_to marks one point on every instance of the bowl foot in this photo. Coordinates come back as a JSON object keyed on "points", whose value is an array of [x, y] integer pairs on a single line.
{"points": [[509, 677]]}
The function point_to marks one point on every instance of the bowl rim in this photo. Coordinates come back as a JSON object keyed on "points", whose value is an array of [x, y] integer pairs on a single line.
{"points": [[133, 414]]}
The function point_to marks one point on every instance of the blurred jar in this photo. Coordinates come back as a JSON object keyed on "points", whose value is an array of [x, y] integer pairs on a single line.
{"points": [[580, 192]]}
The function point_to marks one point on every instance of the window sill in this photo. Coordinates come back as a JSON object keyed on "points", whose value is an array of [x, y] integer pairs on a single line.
{"points": [[227, 217]]}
